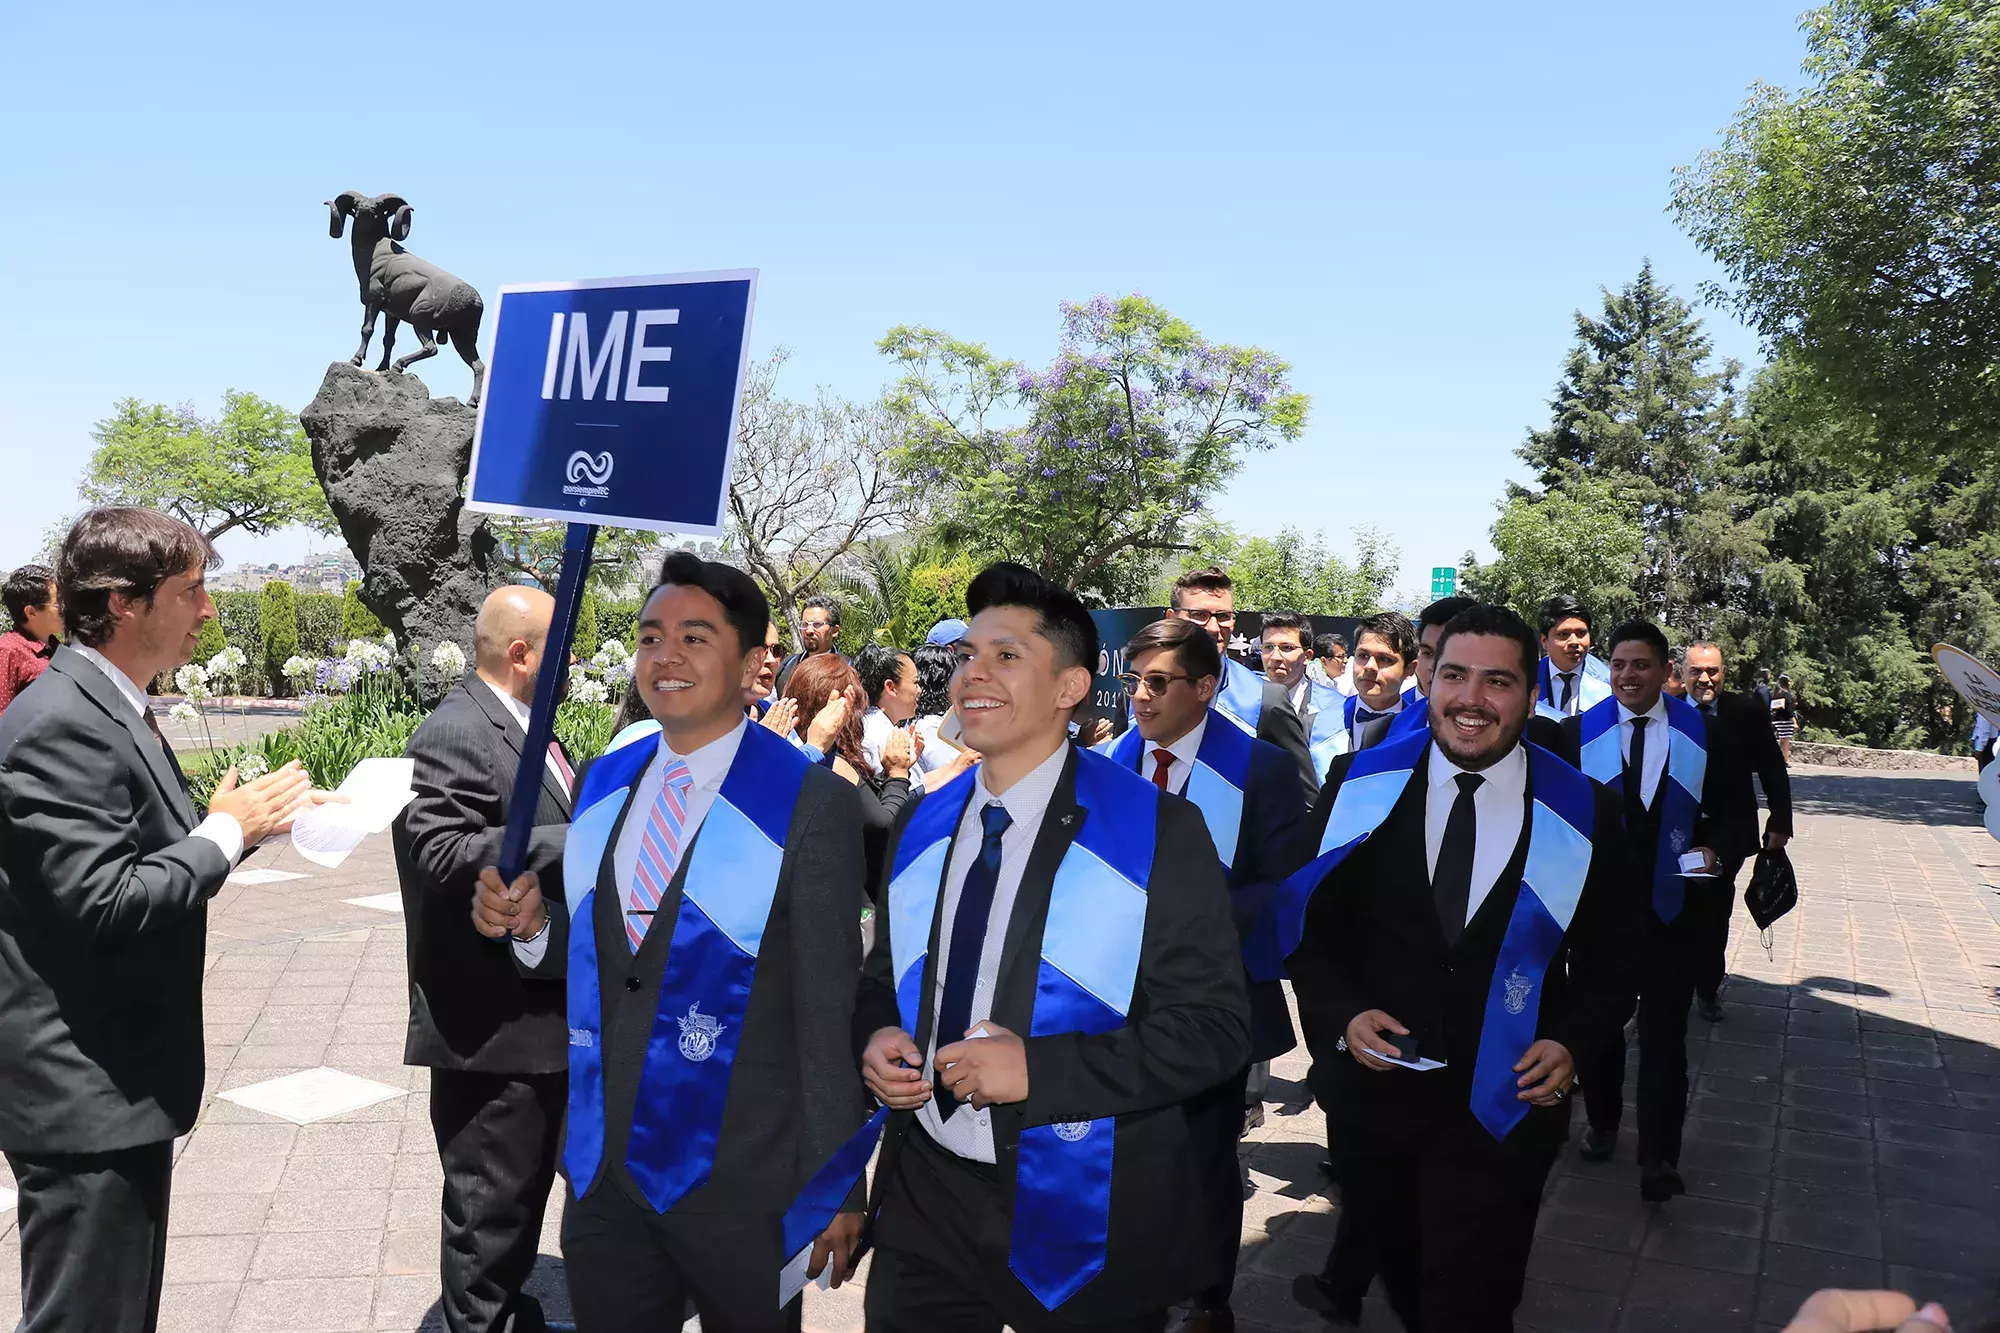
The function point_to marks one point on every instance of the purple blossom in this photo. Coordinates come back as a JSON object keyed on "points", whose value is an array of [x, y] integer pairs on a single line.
{"points": [[1024, 380], [1098, 479], [1048, 472]]}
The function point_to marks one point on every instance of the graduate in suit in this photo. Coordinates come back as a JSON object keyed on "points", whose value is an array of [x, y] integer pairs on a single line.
{"points": [[1467, 907], [1248, 798], [711, 946], [1430, 628], [1207, 598], [495, 1042], [106, 872], [1384, 705], [1650, 749], [1570, 680], [1740, 743], [1054, 977]]}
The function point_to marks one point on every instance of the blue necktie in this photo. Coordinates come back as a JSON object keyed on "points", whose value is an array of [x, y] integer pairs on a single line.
{"points": [[968, 942]]}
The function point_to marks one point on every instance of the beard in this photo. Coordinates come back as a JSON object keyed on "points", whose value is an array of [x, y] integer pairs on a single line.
{"points": [[1492, 744]]}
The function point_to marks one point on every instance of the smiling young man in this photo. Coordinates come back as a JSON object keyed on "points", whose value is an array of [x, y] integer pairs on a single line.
{"points": [[710, 946], [1463, 929], [1652, 750], [1251, 804], [1055, 972]]}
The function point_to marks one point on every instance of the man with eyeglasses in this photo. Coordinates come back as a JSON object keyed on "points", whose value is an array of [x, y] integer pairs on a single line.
{"points": [[819, 627], [1207, 598], [1740, 742], [1252, 807]]}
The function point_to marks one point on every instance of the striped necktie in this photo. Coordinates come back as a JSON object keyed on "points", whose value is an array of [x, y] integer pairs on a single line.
{"points": [[659, 851]]}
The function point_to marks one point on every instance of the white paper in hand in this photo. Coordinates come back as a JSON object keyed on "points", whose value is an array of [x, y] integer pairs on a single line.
{"points": [[792, 1279], [376, 792]]}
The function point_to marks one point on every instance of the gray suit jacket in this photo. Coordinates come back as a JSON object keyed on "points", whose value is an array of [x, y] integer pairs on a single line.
{"points": [[795, 1092], [103, 922]]}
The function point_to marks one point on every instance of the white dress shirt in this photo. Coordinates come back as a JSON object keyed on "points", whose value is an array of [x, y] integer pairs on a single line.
{"points": [[1354, 731], [969, 1132], [938, 752], [1656, 746], [1574, 702], [520, 712], [1498, 807], [708, 766], [1301, 697], [876, 728], [1183, 750], [218, 828]]}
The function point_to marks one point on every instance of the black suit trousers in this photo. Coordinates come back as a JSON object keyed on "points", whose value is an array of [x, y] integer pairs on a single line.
{"points": [[1716, 901], [1672, 957], [1219, 1113], [938, 1214], [632, 1269], [93, 1238], [1449, 1214], [497, 1137]]}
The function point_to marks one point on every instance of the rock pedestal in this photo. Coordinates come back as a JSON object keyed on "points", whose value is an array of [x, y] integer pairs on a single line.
{"points": [[392, 461]]}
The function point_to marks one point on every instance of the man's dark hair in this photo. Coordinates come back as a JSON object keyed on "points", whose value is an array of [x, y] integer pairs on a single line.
{"points": [[1501, 622], [1193, 647], [1640, 631], [1563, 607], [879, 666], [935, 663], [121, 549], [1441, 611], [819, 601], [27, 589], [1212, 579], [743, 602], [1060, 614], [1290, 620], [1326, 645], [1392, 626]]}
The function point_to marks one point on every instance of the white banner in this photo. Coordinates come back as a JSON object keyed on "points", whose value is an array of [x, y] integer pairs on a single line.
{"points": [[1978, 683]]}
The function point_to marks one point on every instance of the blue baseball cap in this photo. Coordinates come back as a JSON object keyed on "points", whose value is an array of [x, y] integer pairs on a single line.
{"points": [[947, 632]]}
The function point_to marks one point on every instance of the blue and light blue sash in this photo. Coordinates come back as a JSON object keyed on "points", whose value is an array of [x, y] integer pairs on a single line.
{"points": [[727, 891], [1603, 756], [1593, 687], [1560, 823], [1089, 968], [1239, 695], [1216, 783]]}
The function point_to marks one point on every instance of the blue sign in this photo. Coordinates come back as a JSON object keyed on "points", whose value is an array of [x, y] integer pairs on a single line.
{"points": [[613, 401]]}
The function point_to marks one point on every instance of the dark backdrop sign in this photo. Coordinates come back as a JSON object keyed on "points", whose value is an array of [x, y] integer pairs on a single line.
{"points": [[1116, 626]]}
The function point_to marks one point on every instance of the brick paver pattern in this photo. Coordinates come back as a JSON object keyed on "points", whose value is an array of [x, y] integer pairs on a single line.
{"points": [[1842, 1131]]}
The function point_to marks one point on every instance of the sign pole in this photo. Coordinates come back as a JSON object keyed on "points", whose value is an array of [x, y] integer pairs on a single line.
{"points": [[577, 542]]}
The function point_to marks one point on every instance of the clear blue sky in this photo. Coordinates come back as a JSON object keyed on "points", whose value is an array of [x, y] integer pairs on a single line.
{"points": [[1405, 202]]}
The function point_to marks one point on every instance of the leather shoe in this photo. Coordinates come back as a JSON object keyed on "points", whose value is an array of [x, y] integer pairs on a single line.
{"points": [[1709, 1008], [1316, 1293], [1659, 1182], [1210, 1321], [1598, 1146]]}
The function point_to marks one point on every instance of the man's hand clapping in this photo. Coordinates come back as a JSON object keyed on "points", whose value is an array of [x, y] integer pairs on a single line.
{"points": [[266, 805]]}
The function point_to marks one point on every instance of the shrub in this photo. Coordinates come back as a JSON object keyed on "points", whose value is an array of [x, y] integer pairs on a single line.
{"points": [[935, 592], [319, 622], [211, 642], [584, 729], [279, 627], [242, 617], [615, 621], [356, 620], [585, 640]]}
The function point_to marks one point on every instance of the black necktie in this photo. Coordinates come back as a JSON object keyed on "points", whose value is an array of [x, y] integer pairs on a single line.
{"points": [[1451, 883], [1635, 777], [968, 943], [1569, 682], [1370, 726]]}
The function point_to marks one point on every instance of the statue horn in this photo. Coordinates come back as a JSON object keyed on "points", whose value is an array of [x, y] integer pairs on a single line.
{"points": [[399, 227]]}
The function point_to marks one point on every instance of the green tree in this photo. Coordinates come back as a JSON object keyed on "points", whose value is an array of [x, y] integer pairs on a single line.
{"points": [[250, 468], [319, 622], [210, 641], [1291, 572], [1855, 218], [936, 592], [279, 626], [620, 558], [585, 640], [356, 620], [1095, 469], [1582, 539]]}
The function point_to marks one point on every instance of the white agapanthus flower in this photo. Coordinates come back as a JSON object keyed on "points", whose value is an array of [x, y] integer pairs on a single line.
{"points": [[389, 642], [587, 691], [251, 766], [449, 660], [368, 655], [611, 654], [184, 713], [297, 669], [227, 662], [192, 681]]}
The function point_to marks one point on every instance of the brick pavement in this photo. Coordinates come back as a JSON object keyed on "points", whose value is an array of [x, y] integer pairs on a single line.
{"points": [[1843, 1127]]}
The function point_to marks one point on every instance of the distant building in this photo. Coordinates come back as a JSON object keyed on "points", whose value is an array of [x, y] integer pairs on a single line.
{"points": [[330, 572]]}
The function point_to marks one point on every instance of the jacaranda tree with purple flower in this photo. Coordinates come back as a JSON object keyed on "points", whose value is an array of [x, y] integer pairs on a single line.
{"points": [[1094, 469]]}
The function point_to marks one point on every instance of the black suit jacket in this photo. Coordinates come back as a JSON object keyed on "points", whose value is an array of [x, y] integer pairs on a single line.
{"points": [[1188, 1030], [794, 1092], [1740, 743], [103, 921], [1279, 724], [470, 1008], [1372, 941], [1716, 824]]}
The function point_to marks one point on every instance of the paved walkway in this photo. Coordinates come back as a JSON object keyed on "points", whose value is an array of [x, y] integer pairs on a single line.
{"points": [[1843, 1129]]}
